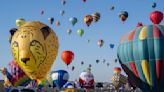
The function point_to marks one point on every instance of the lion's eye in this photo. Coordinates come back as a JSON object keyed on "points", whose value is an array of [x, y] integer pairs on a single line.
{"points": [[15, 44]]}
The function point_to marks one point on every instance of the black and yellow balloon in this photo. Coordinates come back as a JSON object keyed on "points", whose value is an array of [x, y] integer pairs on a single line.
{"points": [[34, 46]]}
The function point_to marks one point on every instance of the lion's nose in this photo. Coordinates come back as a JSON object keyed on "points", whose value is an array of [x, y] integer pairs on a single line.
{"points": [[24, 60]]}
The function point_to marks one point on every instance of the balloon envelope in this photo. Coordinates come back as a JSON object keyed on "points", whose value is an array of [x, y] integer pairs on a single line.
{"points": [[123, 15], [156, 17], [59, 77], [96, 16], [140, 54], [20, 22], [73, 20], [88, 20], [34, 47], [80, 32], [86, 80], [67, 57], [18, 77]]}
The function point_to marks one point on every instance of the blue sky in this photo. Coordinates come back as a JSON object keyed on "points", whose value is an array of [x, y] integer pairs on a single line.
{"points": [[109, 28]]}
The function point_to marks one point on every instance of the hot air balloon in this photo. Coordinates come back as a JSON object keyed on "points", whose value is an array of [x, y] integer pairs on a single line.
{"points": [[96, 16], [67, 57], [154, 5], [84, 1], [86, 80], [115, 60], [16, 76], [107, 64], [118, 79], [57, 23], [88, 40], [69, 31], [139, 24], [112, 8], [100, 43], [51, 20], [20, 22], [69, 85], [62, 12], [59, 77], [156, 17], [97, 61], [111, 46], [73, 67], [42, 12], [73, 20], [80, 32], [82, 62], [142, 58], [88, 20], [117, 70], [63, 2], [90, 65], [123, 15], [104, 60], [38, 51]]}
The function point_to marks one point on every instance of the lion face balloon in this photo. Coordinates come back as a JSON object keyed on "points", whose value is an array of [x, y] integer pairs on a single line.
{"points": [[34, 46]]}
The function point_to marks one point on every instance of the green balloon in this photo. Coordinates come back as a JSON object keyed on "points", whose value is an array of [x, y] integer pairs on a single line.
{"points": [[20, 22], [80, 32]]}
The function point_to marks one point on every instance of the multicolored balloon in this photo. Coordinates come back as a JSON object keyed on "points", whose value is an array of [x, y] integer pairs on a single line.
{"points": [[16, 76], [51, 20], [20, 22], [123, 15], [63, 2], [67, 57], [100, 43], [96, 16], [118, 80], [86, 80], [59, 77], [69, 31], [88, 20], [140, 54], [62, 12]]}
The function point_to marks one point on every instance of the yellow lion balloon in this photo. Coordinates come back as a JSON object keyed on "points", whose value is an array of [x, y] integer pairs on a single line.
{"points": [[34, 46]]}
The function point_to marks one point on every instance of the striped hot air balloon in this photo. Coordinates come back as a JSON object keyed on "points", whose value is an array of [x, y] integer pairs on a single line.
{"points": [[141, 55]]}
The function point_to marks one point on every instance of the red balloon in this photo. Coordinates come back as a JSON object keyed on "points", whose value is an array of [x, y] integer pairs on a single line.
{"points": [[139, 24], [156, 17], [67, 57], [84, 0]]}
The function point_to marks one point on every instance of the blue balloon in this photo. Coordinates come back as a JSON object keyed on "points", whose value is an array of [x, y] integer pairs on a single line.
{"points": [[111, 46], [59, 77]]}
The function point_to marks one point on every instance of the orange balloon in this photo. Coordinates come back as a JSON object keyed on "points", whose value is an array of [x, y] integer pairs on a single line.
{"points": [[117, 70], [67, 57]]}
